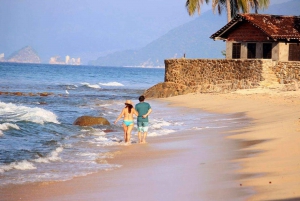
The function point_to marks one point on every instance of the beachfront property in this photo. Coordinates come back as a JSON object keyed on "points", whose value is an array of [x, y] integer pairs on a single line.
{"points": [[261, 51], [257, 36]]}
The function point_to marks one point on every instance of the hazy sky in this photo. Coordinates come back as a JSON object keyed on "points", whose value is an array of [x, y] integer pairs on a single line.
{"points": [[88, 28]]}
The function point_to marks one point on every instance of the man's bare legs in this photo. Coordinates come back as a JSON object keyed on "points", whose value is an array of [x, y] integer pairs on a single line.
{"points": [[140, 137], [144, 137]]}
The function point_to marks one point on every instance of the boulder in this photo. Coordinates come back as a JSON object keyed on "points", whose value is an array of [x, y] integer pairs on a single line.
{"points": [[90, 121], [168, 89]]}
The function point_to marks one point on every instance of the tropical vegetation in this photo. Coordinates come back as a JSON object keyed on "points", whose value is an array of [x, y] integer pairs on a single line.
{"points": [[232, 7]]}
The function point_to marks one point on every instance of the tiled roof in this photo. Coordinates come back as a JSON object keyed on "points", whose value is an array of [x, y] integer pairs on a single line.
{"points": [[277, 27]]}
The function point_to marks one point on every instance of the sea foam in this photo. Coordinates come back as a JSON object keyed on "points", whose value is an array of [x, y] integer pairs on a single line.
{"points": [[94, 86], [15, 113], [114, 84], [158, 124], [7, 126], [22, 165], [53, 156]]}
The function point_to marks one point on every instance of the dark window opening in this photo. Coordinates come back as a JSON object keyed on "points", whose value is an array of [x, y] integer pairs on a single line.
{"points": [[267, 51], [251, 50], [236, 50], [294, 52]]}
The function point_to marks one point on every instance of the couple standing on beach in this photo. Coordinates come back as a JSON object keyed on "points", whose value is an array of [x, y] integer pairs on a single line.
{"points": [[142, 111]]}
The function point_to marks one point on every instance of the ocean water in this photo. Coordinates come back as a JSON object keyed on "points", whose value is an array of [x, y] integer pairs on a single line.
{"points": [[38, 141]]}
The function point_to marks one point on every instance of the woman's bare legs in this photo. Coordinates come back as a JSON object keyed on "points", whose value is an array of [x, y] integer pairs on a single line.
{"points": [[125, 128], [129, 129]]}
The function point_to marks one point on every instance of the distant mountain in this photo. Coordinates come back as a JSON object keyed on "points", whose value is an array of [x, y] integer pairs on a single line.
{"points": [[288, 8], [24, 55], [86, 29], [191, 39]]}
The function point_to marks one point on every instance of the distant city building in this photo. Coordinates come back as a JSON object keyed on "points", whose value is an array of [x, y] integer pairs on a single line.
{"points": [[2, 57], [56, 60], [68, 60], [78, 61]]}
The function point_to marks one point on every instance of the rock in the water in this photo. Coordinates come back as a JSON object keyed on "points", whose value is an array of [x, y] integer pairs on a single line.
{"points": [[90, 121]]}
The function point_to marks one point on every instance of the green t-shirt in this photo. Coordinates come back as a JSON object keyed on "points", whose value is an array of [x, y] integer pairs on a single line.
{"points": [[142, 108]]}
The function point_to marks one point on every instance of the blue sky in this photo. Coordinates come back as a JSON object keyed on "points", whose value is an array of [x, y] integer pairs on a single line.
{"points": [[88, 28]]}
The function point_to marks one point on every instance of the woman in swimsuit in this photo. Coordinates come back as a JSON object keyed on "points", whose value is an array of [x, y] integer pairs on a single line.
{"points": [[127, 113]]}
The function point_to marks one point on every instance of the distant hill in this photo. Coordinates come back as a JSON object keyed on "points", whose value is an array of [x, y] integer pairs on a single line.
{"points": [[289, 8], [24, 55], [191, 39], [86, 29]]}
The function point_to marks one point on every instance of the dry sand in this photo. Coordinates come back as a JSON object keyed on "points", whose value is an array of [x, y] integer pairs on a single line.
{"points": [[192, 165], [274, 171]]}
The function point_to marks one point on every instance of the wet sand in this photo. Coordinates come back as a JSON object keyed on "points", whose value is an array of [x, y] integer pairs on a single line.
{"points": [[258, 162], [189, 165]]}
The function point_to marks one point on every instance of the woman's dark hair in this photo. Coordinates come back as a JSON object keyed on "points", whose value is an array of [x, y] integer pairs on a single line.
{"points": [[129, 107]]}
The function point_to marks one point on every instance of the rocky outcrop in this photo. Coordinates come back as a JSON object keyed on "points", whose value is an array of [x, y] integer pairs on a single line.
{"points": [[18, 93], [25, 55], [90, 121], [168, 89]]}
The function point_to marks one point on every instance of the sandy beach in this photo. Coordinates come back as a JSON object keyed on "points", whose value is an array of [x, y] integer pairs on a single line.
{"points": [[273, 169], [257, 162]]}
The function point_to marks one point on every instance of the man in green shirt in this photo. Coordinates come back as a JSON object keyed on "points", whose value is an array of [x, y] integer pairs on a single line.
{"points": [[144, 109]]}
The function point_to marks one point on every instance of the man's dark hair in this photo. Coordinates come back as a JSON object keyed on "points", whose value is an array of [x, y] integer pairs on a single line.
{"points": [[141, 98]]}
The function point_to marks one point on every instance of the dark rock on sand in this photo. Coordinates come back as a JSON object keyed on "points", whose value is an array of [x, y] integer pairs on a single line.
{"points": [[90, 121], [167, 89]]}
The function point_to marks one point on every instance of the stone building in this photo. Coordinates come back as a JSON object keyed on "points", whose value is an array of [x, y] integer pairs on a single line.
{"points": [[257, 36]]}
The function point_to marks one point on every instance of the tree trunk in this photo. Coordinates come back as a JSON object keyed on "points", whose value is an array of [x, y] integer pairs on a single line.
{"points": [[228, 10]]}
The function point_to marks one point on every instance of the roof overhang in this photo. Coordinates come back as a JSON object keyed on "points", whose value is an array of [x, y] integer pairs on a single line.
{"points": [[224, 29]]}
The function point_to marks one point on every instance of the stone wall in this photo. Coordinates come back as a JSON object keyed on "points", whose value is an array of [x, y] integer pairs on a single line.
{"points": [[287, 72], [184, 76], [208, 75], [211, 75]]}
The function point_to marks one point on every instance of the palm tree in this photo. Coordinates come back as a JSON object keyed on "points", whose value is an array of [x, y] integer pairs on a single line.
{"points": [[232, 6]]}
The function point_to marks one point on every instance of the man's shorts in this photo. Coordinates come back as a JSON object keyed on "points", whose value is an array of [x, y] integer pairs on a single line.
{"points": [[142, 126]]}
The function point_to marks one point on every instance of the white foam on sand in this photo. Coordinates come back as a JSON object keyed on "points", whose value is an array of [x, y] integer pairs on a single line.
{"points": [[160, 133], [159, 123]]}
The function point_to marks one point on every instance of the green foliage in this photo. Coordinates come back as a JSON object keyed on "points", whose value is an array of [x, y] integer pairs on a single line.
{"points": [[235, 6], [223, 52]]}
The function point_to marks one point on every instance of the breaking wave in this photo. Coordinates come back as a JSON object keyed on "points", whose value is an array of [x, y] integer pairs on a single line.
{"points": [[114, 84], [10, 112]]}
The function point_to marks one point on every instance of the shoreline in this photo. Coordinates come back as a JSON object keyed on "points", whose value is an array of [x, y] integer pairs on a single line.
{"points": [[262, 156], [186, 165]]}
